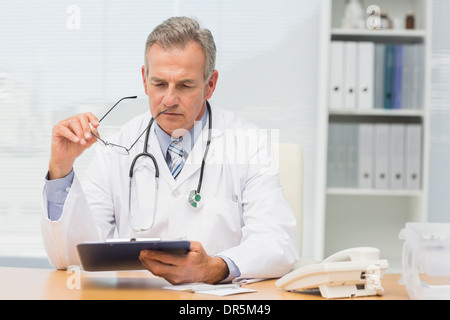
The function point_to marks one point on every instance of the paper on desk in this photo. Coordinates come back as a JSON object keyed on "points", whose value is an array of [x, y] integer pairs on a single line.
{"points": [[227, 292], [247, 280], [212, 289]]}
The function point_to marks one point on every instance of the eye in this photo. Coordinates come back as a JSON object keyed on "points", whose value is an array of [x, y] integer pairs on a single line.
{"points": [[186, 85]]}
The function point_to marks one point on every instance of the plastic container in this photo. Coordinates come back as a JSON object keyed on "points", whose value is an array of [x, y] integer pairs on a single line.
{"points": [[426, 260]]}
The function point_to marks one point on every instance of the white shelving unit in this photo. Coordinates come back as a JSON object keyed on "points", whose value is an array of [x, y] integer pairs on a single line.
{"points": [[372, 217]]}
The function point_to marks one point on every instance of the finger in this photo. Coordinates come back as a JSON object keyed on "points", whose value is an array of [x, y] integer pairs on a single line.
{"points": [[156, 267], [85, 126], [93, 120], [164, 257], [171, 273], [196, 246], [95, 134], [63, 131], [93, 125], [76, 127], [88, 122], [65, 122]]}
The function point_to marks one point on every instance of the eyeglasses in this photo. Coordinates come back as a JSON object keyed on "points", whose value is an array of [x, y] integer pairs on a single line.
{"points": [[115, 147]]}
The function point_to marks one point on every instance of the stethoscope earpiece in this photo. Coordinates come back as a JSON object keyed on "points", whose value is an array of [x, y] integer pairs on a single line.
{"points": [[194, 199]]}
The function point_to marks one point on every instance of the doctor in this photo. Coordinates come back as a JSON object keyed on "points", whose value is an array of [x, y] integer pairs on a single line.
{"points": [[241, 228]]}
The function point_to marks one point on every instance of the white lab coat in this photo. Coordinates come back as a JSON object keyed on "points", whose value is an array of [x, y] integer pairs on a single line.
{"points": [[244, 215]]}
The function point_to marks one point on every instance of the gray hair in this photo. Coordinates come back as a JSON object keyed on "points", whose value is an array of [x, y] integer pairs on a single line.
{"points": [[178, 32]]}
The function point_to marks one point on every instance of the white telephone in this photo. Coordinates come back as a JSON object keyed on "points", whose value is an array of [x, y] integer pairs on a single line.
{"points": [[353, 272]]}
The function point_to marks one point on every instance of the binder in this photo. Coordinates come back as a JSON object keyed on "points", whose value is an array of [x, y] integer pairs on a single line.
{"points": [[340, 152], [397, 156], [351, 156], [413, 156], [397, 77], [388, 75], [336, 85], [331, 156], [418, 72], [421, 77], [381, 151], [350, 74], [380, 49], [365, 155], [366, 69], [407, 76]]}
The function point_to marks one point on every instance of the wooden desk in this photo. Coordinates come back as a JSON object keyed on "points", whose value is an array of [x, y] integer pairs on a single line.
{"points": [[47, 284]]}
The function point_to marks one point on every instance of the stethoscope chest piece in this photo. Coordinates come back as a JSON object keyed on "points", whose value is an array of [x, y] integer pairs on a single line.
{"points": [[195, 198]]}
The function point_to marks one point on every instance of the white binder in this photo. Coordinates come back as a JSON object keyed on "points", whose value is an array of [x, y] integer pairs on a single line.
{"points": [[340, 173], [366, 70], [380, 49], [417, 76], [336, 85], [351, 156], [381, 155], [407, 85], [413, 156], [350, 75], [332, 156], [397, 156], [420, 78], [365, 155]]}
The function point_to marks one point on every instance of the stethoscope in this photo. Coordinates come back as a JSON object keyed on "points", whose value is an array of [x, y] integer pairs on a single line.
{"points": [[194, 197]]}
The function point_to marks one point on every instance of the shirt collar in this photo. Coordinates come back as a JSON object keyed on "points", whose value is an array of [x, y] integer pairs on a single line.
{"points": [[187, 140]]}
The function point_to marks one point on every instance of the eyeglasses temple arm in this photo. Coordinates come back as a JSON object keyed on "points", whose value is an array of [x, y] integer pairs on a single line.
{"points": [[132, 97], [148, 131]]}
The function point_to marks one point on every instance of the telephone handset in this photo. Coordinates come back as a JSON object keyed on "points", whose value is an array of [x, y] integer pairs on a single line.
{"points": [[353, 272]]}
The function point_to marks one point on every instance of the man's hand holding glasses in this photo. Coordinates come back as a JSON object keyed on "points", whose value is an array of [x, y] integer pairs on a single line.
{"points": [[70, 138]]}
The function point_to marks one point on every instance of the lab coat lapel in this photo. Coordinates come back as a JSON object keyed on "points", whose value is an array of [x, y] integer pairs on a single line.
{"points": [[155, 150], [194, 161], [195, 158]]}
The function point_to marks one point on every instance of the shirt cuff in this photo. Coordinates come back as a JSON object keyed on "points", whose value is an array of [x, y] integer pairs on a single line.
{"points": [[233, 270], [56, 192]]}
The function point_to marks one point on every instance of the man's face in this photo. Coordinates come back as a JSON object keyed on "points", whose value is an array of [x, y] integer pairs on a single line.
{"points": [[175, 81]]}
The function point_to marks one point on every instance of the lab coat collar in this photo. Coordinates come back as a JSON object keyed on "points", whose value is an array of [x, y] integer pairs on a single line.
{"points": [[194, 160]]}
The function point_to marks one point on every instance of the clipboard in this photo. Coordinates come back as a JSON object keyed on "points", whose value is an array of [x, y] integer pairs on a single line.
{"points": [[123, 254]]}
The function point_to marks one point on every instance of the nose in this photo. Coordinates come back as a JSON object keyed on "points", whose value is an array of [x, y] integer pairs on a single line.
{"points": [[170, 97]]}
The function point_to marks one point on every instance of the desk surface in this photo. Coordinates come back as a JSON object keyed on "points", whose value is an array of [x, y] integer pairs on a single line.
{"points": [[43, 284]]}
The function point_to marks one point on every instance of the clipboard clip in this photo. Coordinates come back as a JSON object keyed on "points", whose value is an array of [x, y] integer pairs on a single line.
{"points": [[132, 239]]}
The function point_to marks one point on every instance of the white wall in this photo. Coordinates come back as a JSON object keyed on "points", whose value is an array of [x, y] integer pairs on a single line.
{"points": [[438, 195]]}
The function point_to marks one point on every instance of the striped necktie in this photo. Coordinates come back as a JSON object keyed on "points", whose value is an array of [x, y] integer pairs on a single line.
{"points": [[176, 153]]}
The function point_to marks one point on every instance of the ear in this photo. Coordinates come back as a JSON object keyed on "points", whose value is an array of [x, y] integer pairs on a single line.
{"points": [[211, 85], [144, 79]]}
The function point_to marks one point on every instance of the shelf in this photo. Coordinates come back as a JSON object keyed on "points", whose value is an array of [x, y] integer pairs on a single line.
{"points": [[376, 116], [372, 217], [378, 112], [373, 192], [391, 35], [379, 33]]}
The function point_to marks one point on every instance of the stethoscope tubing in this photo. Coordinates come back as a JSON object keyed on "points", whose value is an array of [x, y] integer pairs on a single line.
{"points": [[146, 153]]}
